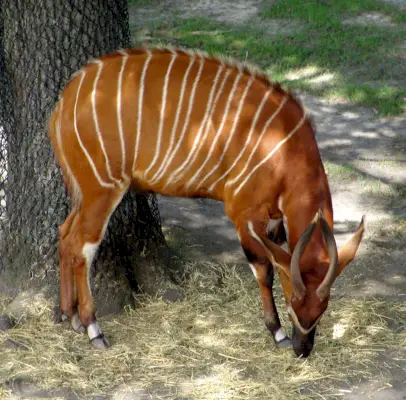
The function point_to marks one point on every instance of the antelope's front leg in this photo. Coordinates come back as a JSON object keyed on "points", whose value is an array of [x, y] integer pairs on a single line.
{"points": [[264, 273]]}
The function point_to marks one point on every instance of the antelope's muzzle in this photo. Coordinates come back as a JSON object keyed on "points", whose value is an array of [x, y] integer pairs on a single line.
{"points": [[302, 344]]}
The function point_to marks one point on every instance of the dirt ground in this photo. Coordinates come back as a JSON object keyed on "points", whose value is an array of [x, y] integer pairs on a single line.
{"points": [[366, 157]]}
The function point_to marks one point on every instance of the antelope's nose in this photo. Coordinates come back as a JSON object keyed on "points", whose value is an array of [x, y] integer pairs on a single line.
{"points": [[302, 344]]}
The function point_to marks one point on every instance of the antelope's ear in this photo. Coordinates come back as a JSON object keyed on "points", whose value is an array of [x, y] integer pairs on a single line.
{"points": [[276, 255], [347, 252]]}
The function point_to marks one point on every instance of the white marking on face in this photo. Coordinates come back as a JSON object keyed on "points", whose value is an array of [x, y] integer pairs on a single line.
{"points": [[230, 135], [187, 119], [247, 141], [75, 123], [119, 116], [159, 173], [96, 121], [180, 171], [296, 322], [280, 335], [254, 271], [140, 104], [162, 114], [271, 153], [264, 129], [220, 130]]}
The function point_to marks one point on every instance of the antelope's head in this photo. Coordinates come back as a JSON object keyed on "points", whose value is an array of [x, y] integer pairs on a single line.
{"points": [[306, 283]]}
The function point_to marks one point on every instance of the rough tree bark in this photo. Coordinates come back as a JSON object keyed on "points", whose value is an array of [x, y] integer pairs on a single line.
{"points": [[42, 42]]}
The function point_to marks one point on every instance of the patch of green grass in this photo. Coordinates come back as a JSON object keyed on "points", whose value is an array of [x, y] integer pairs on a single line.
{"points": [[342, 171], [359, 63]]}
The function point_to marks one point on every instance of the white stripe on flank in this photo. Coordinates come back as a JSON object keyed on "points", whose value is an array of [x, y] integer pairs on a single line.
{"points": [[119, 116], [220, 130], [194, 151], [158, 174], [271, 153], [162, 116], [76, 193], [266, 126], [251, 131], [99, 179], [230, 134], [96, 121], [140, 100], [189, 112]]}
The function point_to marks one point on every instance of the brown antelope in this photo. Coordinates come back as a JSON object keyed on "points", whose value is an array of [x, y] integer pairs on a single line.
{"points": [[182, 123]]}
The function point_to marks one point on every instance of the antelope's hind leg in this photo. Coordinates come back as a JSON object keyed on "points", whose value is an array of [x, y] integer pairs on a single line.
{"points": [[264, 274], [79, 247], [68, 292]]}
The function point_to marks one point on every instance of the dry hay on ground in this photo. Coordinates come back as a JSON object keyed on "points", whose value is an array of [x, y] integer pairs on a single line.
{"points": [[213, 345]]}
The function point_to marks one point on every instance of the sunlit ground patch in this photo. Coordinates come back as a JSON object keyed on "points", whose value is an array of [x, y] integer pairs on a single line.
{"points": [[212, 345]]}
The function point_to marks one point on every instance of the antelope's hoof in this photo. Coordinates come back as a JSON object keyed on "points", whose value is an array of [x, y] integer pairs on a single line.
{"points": [[96, 337], [286, 342], [77, 325], [100, 343]]}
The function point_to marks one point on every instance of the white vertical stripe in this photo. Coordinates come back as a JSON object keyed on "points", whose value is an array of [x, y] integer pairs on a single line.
{"points": [[209, 123], [159, 173], [227, 108], [251, 131], [189, 112], [96, 121], [271, 153], [180, 171], [74, 184], [230, 134], [162, 115], [119, 116], [140, 104], [265, 128], [93, 166]]}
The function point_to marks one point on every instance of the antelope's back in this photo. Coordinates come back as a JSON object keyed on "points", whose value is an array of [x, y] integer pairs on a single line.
{"points": [[169, 121]]}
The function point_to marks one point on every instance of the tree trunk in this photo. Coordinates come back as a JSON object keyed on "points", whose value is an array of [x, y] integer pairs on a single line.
{"points": [[42, 42]]}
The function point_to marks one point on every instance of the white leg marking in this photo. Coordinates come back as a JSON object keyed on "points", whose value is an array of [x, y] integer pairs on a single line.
{"points": [[186, 125], [254, 271], [230, 135], [264, 129], [251, 131], [158, 174], [280, 335], [220, 130], [271, 153], [89, 251], [253, 233], [96, 122], [140, 104], [77, 194], [93, 166], [119, 116], [280, 203], [94, 331], [198, 140], [162, 115]]}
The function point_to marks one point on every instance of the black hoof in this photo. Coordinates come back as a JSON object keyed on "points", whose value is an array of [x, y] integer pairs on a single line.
{"points": [[284, 343], [100, 343]]}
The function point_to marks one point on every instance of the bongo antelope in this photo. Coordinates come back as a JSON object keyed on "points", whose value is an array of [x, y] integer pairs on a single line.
{"points": [[183, 123]]}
